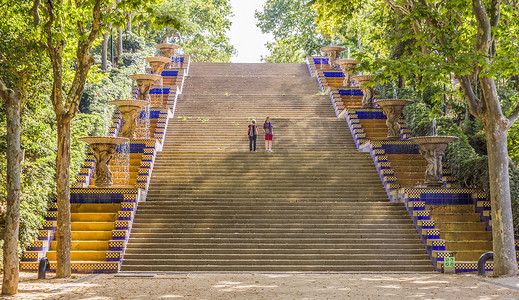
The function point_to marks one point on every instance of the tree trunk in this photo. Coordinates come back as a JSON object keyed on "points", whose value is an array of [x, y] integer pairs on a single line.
{"points": [[119, 44], [505, 261], [12, 219], [63, 232], [104, 52], [129, 24]]}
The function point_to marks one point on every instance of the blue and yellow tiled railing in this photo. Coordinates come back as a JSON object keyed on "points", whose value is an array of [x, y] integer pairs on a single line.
{"points": [[415, 199], [126, 196]]}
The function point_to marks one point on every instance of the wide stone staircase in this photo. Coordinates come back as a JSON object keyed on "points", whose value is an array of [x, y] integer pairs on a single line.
{"points": [[314, 204]]}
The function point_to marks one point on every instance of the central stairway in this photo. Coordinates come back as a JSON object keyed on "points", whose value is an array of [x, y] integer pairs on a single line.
{"points": [[314, 204]]}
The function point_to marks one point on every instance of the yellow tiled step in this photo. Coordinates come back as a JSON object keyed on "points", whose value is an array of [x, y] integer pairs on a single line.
{"points": [[469, 255], [78, 245], [467, 245], [96, 226], [91, 235], [410, 175], [404, 169], [440, 209], [406, 183], [465, 235], [440, 218], [117, 183], [77, 266], [406, 158], [90, 255], [87, 207], [458, 226], [93, 217]]}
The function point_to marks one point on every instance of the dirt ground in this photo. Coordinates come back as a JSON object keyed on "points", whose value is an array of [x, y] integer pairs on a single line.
{"points": [[268, 286]]}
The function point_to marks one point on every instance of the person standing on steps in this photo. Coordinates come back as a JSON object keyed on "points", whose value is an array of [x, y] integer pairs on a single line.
{"points": [[252, 133], [267, 127]]}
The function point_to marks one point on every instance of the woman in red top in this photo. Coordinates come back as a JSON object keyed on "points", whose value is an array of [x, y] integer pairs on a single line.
{"points": [[269, 133]]}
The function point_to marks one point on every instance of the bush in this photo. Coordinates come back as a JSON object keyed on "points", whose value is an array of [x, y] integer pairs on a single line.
{"points": [[133, 42]]}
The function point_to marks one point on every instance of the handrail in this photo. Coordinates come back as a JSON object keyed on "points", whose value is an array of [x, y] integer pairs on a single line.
{"points": [[482, 260]]}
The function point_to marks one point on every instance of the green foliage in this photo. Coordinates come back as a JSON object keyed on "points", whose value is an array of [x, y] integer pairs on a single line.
{"points": [[24, 65], [133, 42], [467, 163], [291, 22], [203, 26]]}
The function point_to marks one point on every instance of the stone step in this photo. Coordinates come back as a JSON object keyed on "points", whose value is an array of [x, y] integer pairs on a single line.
{"points": [[194, 252], [167, 196], [188, 222], [287, 261], [148, 237], [271, 230], [259, 192], [375, 225], [249, 69], [425, 266], [271, 213], [204, 183], [267, 209], [316, 244]]}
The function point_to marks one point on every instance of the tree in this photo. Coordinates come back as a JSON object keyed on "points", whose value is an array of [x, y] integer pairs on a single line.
{"points": [[12, 100], [71, 27], [202, 26], [475, 41], [291, 22], [19, 56]]}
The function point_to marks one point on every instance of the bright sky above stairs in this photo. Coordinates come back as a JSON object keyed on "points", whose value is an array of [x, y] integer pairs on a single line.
{"points": [[244, 35]]}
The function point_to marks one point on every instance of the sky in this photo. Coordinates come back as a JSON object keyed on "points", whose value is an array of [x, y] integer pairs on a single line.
{"points": [[244, 35]]}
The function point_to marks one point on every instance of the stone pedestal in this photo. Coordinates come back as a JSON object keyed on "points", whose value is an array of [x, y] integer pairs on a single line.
{"points": [[167, 50], [332, 52], [367, 91], [103, 148], [157, 63], [393, 109], [347, 66], [432, 148], [144, 83], [130, 110]]}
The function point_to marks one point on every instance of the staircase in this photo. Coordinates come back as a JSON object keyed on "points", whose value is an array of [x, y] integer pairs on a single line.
{"points": [[314, 204], [461, 227]]}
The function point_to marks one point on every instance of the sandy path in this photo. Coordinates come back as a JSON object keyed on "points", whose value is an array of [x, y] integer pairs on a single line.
{"points": [[270, 286]]}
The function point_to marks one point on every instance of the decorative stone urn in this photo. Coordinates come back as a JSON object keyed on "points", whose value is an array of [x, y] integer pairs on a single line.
{"points": [[103, 148], [432, 148], [157, 63], [393, 109], [130, 110], [367, 91], [347, 66], [167, 50], [145, 82], [332, 52]]}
